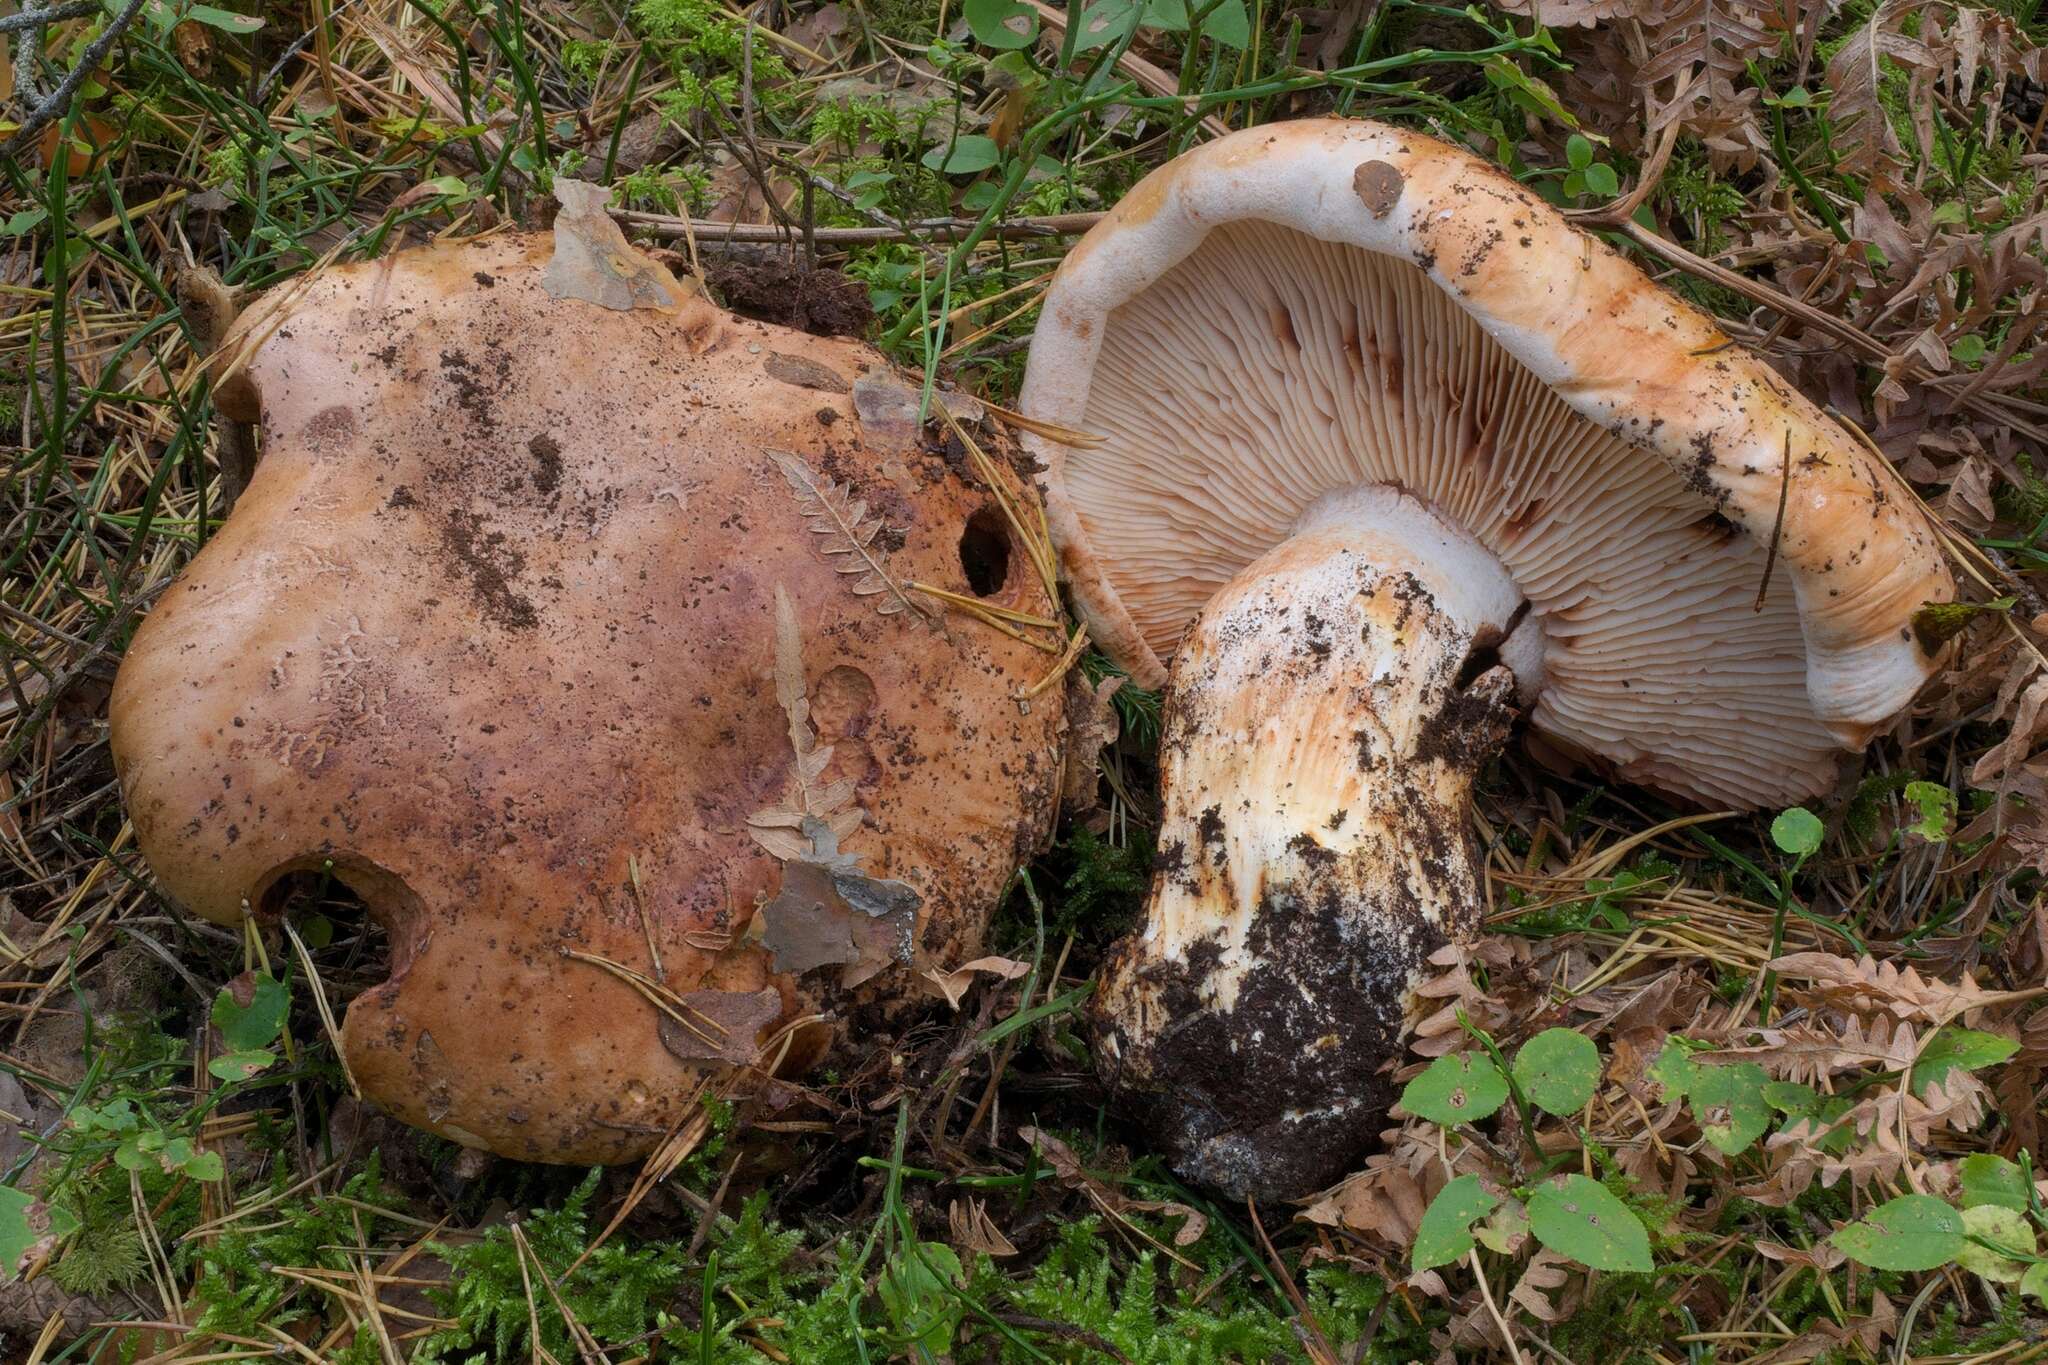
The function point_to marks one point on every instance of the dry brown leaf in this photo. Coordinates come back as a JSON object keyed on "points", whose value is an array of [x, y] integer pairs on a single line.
{"points": [[953, 984], [1869, 986], [973, 1230]]}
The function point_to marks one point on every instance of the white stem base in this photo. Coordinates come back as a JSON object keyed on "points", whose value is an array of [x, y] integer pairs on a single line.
{"points": [[1323, 728]]}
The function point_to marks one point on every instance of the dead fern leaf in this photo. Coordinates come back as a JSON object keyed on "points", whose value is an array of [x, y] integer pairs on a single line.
{"points": [[834, 513], [1864, 140], [780, 829], [1870, 986]]}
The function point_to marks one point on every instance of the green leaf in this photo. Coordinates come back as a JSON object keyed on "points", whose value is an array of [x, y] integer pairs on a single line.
{"points": [[1103, 23], [1001, 24], [1458, 1089], [1955, 1047], [1790, 1097], [1912, 1232], [1558, 1070], [1579, 1218], [918, 1288], [1445, 1233], [1797, 831], [115, 1116], [1504, 1231], [2035, 1281], [28, 1229], [226, 20], [1675, 1069], [1936, 810], [250, 1010], [240, 1066], [1989, 1179], [2001, 1227], [1530, 94], [1601, 180], [1739, 1089], [1578, 152], [1227, 24], [1968, 349], [139, 1153], [970, 153]]}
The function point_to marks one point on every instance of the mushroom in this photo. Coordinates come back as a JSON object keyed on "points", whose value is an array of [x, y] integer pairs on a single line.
{"points": [[1390, 452], [566, 620]]}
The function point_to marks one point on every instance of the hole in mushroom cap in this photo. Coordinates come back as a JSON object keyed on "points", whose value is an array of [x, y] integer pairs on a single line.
{"points": [[356, 917], [985, 552]]}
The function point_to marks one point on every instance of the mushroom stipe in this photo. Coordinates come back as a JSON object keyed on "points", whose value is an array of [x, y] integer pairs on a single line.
{"points": [[1389, 454]]}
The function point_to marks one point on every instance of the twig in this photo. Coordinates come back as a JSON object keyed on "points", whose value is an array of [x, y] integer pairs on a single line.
{"points": [[36, 18], [88, 62], [1486, 1293], [1777, 527], [708, 232]]}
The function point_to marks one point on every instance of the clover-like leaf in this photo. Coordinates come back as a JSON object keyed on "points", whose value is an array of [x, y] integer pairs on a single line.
{"points": [[1462, 1088], [1912, 1232], [1797, 831], [1578, 1217], [250, 1011], [1445, 1233], [1990, 1179], [2001, 1227], [1558, 1070]]}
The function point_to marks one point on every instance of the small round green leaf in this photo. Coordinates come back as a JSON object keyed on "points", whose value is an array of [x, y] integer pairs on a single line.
{"points": [[1577, 1217], [1601, 180], [1458, 1089], [2001, 1227], [1989, 1179], [1912, 1232], [1797, 831], [1004, 25], [250, 1010], [1730, 1105], [1445, 1233], [1558, 1069], [2035, 1281], [1578, 152]]}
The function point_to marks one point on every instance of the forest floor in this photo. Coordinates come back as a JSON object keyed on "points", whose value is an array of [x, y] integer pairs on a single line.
{"points": [[1829, 1158]]}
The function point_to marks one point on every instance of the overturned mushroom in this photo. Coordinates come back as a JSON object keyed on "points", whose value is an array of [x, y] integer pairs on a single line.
{"points": [[567, 620], [1391, 452]]}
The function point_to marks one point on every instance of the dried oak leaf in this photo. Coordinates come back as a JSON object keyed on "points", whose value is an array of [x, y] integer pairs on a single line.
{"points": [[724, 1026]]}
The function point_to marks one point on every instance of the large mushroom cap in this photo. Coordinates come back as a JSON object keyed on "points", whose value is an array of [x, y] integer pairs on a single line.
{"points": [[495, 632], [1309, 306]]}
